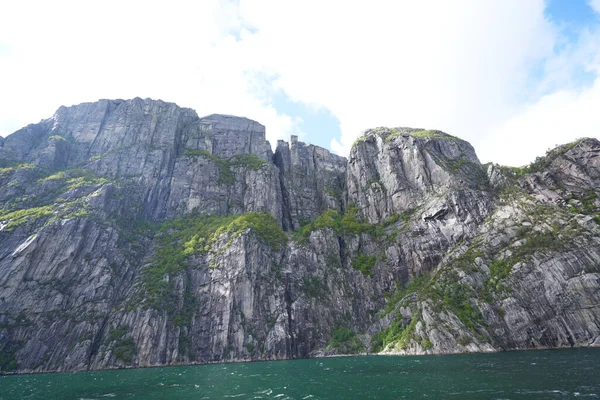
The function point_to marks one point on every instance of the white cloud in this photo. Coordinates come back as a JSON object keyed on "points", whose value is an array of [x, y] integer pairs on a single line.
{"points": [[463, 66], [399, 63], [595, 4], [558, 118], [561, 116], [67, 52]]}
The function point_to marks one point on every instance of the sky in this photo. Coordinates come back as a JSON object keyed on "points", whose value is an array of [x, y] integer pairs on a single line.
{"points": [[512, 77]]}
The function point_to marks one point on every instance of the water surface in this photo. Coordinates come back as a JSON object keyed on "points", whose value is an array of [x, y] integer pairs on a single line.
{"points": [[547, 374]]}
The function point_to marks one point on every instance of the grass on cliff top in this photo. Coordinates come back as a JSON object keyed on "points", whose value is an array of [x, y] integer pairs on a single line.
{"points": [[185, 236], [542, 162], [391, 133], [421, 134]]}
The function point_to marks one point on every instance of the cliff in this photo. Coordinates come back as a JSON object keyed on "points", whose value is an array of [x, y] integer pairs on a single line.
{"points": [[134, 233]]}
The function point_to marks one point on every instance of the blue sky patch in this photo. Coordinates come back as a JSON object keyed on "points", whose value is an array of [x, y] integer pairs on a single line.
{"points": [[571, 13], [318, 125]]}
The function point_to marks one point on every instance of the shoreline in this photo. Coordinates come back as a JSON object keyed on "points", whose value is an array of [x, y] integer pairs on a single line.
{"points": [[389, 354]]}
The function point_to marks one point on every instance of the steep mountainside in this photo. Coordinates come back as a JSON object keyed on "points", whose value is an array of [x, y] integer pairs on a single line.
{"points": [[134, 233]]}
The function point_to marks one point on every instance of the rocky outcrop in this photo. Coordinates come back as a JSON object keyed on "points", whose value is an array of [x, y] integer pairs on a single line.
{"points": [[172, 160], [312, 181], [134, 233], [528, 277]]}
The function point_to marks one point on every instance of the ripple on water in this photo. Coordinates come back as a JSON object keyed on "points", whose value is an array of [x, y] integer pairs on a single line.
{"points": [[523, 375], [265, 391]]}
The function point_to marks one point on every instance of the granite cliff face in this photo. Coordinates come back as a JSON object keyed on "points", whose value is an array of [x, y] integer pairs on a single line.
{"points": [[134, 233]]}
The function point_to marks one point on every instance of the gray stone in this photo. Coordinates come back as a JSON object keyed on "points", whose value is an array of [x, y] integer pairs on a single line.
{"points": [[506, 259]]}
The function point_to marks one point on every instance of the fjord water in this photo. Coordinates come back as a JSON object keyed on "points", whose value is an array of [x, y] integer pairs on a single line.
{"points": [[547, 374]]}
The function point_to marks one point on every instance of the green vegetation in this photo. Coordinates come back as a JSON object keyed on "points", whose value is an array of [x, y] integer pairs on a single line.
{"points": [[421, 134], [44, 200], [455, 166], [8, 357], [183, 237], [75, 178], [376, 186], [58, 176], [397, 334], [20, 217], [335, 192], [250, 347], [404, 217], [588, 203], [542, 162], [112, 150], [466, 261], [117, 333], [96, 157], [13, 218], [180, 238], [364, 264], [13, 167], [314, 286], [344, 340], [183, 317], [226, 175], [44, 204], [391, 133], [456, 297], [445, 292], [588, 206], [360, 139], [57, 138], [124, 348], [448, 293], [415, 285], [248, 160], [534, 242], [500, 269], [264, 225], [347, 223]]}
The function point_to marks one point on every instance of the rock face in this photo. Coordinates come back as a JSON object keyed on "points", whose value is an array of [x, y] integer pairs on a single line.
{"points": [[312, 181], [134, 233]]}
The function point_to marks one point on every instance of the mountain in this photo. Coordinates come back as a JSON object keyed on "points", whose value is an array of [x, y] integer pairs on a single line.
{"points": [[134, 233]]}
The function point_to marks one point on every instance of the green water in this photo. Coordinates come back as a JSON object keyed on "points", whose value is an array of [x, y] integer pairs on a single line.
{"points": [[549, 374]]}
